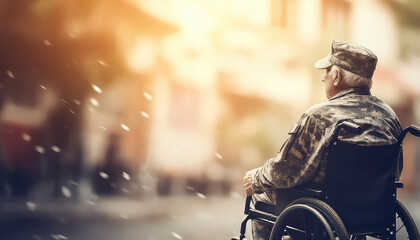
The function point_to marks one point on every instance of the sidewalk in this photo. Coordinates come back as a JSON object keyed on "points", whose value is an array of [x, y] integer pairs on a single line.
{"points": [[174, 217], [113, 207], [124, 207]]}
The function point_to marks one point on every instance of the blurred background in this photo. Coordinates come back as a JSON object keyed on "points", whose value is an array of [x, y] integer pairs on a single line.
{"points": [[137, 119]]}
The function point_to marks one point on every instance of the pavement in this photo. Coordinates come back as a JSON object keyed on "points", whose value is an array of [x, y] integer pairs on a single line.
{"points": [[192, 216], [174, 217]]}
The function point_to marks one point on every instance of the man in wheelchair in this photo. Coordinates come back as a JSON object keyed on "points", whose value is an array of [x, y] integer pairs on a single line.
{"points": [[345, 154]]}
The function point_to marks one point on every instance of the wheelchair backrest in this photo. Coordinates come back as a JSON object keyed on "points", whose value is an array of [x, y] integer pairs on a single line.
{"points": [[360, 185]]}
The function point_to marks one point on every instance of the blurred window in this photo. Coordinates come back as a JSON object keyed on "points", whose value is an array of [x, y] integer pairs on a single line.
{"points": [[336, 15], [184, 106], [279, 13]]}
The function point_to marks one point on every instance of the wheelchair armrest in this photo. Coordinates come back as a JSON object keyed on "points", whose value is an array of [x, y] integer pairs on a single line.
{"points": [[247, 204], [265, 207], [311, 192]]}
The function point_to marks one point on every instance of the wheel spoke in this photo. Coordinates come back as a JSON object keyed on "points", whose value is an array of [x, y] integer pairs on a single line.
{"points": [[399, 228], [305, 225]]}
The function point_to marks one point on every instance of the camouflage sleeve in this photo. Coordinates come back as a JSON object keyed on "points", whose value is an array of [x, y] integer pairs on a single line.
{"points": [[291, 166]]}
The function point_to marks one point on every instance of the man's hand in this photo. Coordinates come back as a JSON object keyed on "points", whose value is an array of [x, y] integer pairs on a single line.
{"points": [[248, 184]]}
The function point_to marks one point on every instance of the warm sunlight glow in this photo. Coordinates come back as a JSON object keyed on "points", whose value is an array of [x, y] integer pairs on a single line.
{"points": [[195, 22], [142, 57], [309, 20]]}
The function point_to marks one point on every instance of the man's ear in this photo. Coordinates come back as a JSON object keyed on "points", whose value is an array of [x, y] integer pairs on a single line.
{"points": [[336, 77]]}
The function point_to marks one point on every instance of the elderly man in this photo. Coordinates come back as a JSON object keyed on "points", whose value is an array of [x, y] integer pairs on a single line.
{"points": [[302, 159]]}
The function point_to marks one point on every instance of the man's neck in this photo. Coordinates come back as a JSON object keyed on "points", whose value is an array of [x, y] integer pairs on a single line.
{"points": [[360, 91]]}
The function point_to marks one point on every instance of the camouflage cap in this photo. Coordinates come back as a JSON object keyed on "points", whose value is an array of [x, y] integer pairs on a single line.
{"points": [[351, 57]]}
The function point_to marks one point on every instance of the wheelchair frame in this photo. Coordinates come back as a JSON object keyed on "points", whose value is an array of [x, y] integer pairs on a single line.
{"points": [[315, 203]]}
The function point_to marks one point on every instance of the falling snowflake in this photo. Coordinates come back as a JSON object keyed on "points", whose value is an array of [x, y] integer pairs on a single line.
{"points": [[43, 87], [56, 149], [66, 192], [71, 111], [74, 33], [39, 149], [58, 236], [96, 88], [200, 195], [36, 237], [190, 188], [176, 235], [26, 137], [91, 202], [123, 126], [94, 102], [103, 128], [147, 96], [126, 176], [124, 216], [10, 74], [47, 43], [77, 101], [104, 175], [218, 156], [31, 206], [144, 114], [73, 183], [235, 195], [147, 188], [102, 63]]}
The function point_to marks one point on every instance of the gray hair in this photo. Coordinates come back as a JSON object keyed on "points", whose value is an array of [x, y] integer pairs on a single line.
{"points": [[354, 80]]}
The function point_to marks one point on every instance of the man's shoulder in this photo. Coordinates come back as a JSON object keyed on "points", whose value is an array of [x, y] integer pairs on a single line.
{"points": [[351, 106], [320, 110]]}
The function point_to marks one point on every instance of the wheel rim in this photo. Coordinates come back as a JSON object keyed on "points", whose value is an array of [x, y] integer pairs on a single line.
{"points": [[280, 227]]}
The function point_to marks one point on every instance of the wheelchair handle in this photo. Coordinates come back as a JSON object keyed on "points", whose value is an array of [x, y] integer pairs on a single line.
{"points": [[413, 129], [348, 126], [351, 127]]}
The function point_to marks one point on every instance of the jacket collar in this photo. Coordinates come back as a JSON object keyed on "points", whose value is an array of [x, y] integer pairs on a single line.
{"points": [[359, 91]]}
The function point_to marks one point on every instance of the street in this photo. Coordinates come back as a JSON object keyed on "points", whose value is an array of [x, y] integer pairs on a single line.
{"points": [[174, 217], [179, 217]]}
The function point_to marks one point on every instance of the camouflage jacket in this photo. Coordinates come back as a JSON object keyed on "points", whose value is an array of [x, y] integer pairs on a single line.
{"points": [[302, 158]]}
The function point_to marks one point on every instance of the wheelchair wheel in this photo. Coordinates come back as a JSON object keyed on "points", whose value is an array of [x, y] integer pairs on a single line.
{"points": [[406, 227], [306, 219]]}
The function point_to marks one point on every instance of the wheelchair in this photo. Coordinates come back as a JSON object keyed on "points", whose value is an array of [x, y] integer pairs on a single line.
{"points": [[358, 200]]}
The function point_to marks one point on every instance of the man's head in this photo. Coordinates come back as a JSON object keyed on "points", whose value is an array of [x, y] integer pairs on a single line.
{"points": [[349, 65]]}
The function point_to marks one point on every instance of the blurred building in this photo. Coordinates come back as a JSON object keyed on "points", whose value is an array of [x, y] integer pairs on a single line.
{"points": [[61, 62], [245, 75], [191, 93]]}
